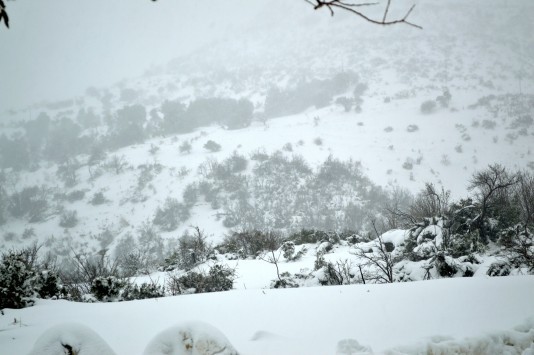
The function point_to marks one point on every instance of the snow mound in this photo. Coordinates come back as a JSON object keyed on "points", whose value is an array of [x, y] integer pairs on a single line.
{"points": [[70, 338], [518, 341], [192, 338], [352, 347]]}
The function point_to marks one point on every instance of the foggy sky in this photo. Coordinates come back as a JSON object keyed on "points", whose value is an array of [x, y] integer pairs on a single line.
{"points": [[55, 49]]}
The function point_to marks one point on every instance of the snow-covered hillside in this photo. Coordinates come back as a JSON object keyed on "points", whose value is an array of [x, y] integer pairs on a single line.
{"points": [[479, 87], [305, 133]]}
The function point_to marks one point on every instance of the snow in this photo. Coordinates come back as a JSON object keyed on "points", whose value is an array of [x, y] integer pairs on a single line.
{"points": [[78, 338], [193, 338], [311, 320]]}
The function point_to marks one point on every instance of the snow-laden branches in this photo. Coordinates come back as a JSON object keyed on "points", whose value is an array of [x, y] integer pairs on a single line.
{"points": [[353, 8], [378, 259]]}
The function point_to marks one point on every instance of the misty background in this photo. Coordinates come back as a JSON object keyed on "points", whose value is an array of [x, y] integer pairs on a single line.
{"points": [[56, 49]]}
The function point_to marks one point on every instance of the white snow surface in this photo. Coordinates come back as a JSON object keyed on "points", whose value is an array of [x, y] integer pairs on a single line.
{"points": [[449, 316]]}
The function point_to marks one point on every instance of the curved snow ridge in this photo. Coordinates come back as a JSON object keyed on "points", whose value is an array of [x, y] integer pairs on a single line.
{"points": [[519, 340], [70, 338], [190, 338]]}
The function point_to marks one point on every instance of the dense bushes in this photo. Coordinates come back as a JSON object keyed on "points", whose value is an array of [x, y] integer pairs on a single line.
{"points": [[251, 243], [171, 214], [304, 94], [229, 113], [192, 249], [218, 278], [23, 277]]}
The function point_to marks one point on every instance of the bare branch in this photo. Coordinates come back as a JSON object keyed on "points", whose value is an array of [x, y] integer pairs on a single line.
{"points": [[3, 14], [350, 7], [386, 11]]}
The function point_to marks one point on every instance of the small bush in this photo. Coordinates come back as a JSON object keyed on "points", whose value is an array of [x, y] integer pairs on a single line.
{"points": [[219, 278], [68, 219], [499, 268], [412, 128], [288, 147], [47, 284], [309, 236], [185, 147], [318, 141], [190, 195], [489, 124], [408, 165], [98, 199], [15, 276], [445, 265], [107, 288], [251, 243], [428, 107], [143, 291], [288, 249], [171, 215], [75, 195], [212, 146]]}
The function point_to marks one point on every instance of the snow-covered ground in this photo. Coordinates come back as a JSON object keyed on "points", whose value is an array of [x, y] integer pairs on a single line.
{"points": [[450, 316]]}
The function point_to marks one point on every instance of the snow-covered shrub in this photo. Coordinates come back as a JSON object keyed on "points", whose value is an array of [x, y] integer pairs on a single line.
{"points": [[68, 219], [75, 195], [286, 280], [212, 146], [308, 236], [169, 217], [336, 273], [412, 128], [30, 202], [107, 288], [192, 249], [444, 99], [352, 346], [236, 163], [499, 268], [190, 195], [98, 199], [489, 124], [218, 278], [150, 244], [185, 147], [519, 246], [47, 284], [330, 275], [128, 256], [251, 243], [428, 106], [319, 262], [144, 291], [445, 265], [345, 102], [15, 280], [288, 249]]}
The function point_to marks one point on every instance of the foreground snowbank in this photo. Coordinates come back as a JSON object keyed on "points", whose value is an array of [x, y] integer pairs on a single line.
{"points": [[303, 321], [70, 338]]}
